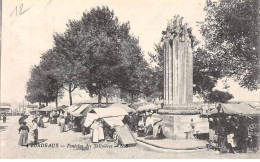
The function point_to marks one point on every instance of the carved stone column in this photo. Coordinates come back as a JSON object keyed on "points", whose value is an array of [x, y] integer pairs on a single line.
{"points": [[178, 109], [178, 64]]}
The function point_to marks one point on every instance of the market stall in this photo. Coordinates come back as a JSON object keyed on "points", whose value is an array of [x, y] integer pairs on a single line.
{"points": [[47, 112], [72, 108], [234, 127], [79, 115], [61, 109], [47, 109], [112, 116], [82, 110]]}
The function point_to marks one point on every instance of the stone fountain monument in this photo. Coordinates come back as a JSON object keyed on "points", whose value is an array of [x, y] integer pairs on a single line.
{"points": [[178, 110]]}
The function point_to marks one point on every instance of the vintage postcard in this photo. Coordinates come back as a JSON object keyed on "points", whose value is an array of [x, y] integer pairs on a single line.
{"points": [[130, 79]]}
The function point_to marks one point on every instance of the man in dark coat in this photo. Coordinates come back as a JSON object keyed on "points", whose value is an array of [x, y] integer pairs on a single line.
{"points": [[242, 135], [4, 118]]}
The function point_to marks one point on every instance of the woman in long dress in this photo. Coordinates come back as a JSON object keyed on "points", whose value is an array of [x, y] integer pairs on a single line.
{"points": [[100, 131], [23, 131], [55, 116], [62, 124], [141, 127], [95, 134], [41, 124], [51, 117], [35, 132], [58, 120]]}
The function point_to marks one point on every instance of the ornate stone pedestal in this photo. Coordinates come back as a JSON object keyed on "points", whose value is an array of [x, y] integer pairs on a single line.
{"points": [[177, 122], [178, 109]]}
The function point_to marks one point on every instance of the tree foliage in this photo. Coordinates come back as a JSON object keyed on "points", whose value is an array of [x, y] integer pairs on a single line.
{"points": [[102, 34], [231, 30], [205, 72], [41, 87], [97, 54], [133, 69], [217, 96], [156, 79], [48, 66], [69, 61]]}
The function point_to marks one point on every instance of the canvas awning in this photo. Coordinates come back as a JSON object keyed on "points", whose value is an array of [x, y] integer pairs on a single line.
{"points": [[90, 118], [112, 121], [109, 112], [148, 107], [135, 106], [33, 109], [82, 110], [62, 107], [122, 106], [255, 105], [72, 108], [115, 121], [48, 108], [235, 109]]}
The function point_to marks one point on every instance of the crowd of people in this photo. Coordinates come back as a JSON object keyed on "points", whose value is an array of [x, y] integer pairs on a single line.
{"points": [[63, 118], [233, 129], [142, 123], [29, 125], [234, 132]]}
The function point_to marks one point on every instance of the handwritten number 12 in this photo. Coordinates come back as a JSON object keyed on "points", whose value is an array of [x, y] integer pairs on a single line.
{"points": [[20, 10]]}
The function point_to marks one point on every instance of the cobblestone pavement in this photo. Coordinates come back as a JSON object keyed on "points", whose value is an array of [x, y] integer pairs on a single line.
{"points": [[75, 145]]}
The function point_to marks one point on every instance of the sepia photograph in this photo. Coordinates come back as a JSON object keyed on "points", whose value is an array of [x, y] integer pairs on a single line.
{"points": [[130, 79]]}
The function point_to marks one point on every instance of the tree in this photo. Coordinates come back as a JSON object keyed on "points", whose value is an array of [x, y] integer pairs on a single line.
{"points": [[231, 30], [219, 96], [133, 70], [67, 57], [40, 87], [205, 72], [156, 83], [48, 65], [101, 50], [110, 92]]}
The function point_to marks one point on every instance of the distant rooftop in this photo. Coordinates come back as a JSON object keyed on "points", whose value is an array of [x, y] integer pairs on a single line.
{"points": [[5, 107], [32, 106], [5, 104]]}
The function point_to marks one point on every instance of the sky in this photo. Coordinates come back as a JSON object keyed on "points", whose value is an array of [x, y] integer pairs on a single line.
{"points": [[28, 26]]}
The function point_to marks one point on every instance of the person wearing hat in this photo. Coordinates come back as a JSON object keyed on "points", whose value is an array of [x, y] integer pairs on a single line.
{"points": [[62, 124], [23, 131], [55, 116], [51, 117], [40, 121], [21, 119], [141, 127], [35, 131], [58, 120], [149, 124]]}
